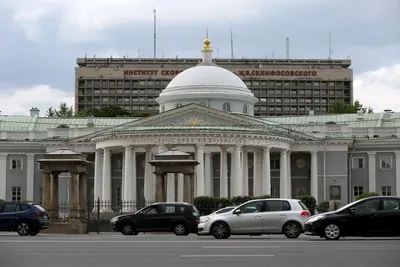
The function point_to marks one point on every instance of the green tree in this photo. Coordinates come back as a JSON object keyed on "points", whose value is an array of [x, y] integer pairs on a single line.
{"points": [[111, 111], [63, 111], [341, 108]]}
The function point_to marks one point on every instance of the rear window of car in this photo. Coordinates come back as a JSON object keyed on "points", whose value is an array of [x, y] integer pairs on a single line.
{"points": [[303, 206], [40, 208]]}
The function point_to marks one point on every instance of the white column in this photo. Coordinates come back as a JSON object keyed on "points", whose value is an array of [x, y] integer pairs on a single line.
{"points": [[223, 173], [245, 173], [129, 193], [283, 175], [3, 176], [171, 187], [207, 174], [237, 173], [266, 181], [257, 169], [107, 185], [180, 187], [372, 172], [289, 175], [98, 177], [200, 171], [397, 173], [30, 176], [148, 178], [314, 174]]}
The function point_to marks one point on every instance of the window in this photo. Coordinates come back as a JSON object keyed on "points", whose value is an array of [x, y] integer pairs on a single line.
{"points": [[167, 209], [40, 166], [118, 165], [358, 163], [151, 211], [178, 105], [118, 196], [367, 206], [10, 208], [357, 191], [275, 164], [16, 193], [16, 164], [386, 163], [162, 108], [275, 191], [391, 204], [252, 207], [245, 109], [226, 106], [386, 190], [277, 205]]}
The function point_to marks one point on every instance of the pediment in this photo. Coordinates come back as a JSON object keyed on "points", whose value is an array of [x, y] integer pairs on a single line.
{"points": [[195, 115]]}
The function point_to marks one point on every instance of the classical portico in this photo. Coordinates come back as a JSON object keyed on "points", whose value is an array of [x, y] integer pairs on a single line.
{"points": [[54, 163]]}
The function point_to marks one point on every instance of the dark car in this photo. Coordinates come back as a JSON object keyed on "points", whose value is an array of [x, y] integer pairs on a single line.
{"points": [[177, 217], [368, 217], [23, 218]]}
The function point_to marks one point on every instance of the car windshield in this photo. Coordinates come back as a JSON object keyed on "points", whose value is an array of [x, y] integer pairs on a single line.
{"points": [[40, 208]]}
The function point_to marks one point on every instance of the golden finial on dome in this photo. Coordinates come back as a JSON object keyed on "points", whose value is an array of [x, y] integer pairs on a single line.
{"points": [[207, 44]]}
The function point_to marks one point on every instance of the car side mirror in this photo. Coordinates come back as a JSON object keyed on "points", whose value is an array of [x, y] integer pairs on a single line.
{"points": [[238, 211]]}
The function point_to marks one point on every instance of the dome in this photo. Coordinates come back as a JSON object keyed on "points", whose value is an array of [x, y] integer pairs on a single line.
{"points": [[208, 85]]}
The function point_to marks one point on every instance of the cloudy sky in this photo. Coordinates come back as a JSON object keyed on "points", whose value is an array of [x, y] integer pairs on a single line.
{"points": [[41, 39]]}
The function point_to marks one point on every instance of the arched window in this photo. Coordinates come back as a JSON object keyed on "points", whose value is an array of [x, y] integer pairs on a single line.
{"points": [[202, 104], [62, 126], [245, 109], [162, 108], [178, 105], [226, 106]]}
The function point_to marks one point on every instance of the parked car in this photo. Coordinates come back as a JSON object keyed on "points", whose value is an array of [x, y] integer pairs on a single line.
{"points": [[372, 216], [23, 218], [180, 218], [258, 217]]}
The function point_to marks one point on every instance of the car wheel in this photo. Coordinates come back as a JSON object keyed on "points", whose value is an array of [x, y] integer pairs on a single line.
{"points": [[128, 229], [34, 232], [292, 229], [332, 232], [180, 229], [23, 229], [220, 230]]}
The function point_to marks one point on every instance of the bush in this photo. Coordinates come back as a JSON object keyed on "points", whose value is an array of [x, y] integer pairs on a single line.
{"points": [[2, 200], [367, 194], [309, 201], [207, 205], [324, 206]]}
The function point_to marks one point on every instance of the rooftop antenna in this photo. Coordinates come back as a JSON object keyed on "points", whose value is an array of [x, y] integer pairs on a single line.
{"points": [[85, 53], [155, 30], [206, 33], [330, 46], [231, 40], [287, 48], [139, 52]]}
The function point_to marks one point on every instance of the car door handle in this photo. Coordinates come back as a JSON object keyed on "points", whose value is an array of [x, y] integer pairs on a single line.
{"points": [[282, 215], [17, 214], [375, 215], [257, 216]]}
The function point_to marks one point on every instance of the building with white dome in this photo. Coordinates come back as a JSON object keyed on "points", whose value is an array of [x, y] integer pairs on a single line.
{"points": [[208, 85], [207, 111]]}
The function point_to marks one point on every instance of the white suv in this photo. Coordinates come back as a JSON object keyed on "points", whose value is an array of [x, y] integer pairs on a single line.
{"points": [[258, 217]]}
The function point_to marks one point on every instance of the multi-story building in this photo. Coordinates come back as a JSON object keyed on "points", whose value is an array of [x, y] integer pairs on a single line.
{"points": [[283, 87]]}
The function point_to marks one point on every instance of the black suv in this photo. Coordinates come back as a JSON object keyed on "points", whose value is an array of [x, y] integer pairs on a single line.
{"points": [[23, 218], [180, 218]]}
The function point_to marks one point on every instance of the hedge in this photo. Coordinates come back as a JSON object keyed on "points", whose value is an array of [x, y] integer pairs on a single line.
{"points": [[324, 206], [367, 194]]}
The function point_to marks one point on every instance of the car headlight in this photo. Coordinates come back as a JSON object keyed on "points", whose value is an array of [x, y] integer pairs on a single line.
{"points": [[314, 218], [204, 219]]}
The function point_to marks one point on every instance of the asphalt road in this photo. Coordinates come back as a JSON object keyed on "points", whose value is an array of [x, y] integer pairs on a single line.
{"points": [[169, 250]]}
